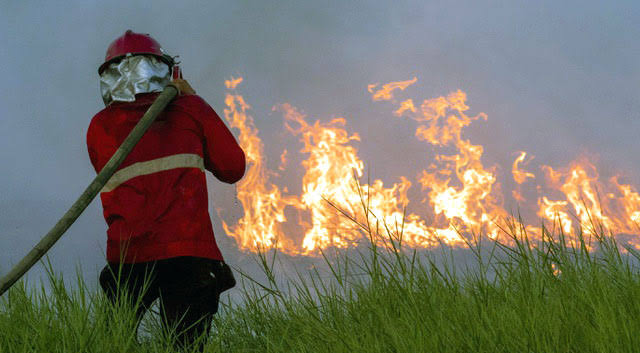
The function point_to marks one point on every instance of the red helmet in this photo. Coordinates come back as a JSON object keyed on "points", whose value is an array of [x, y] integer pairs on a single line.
{"points": [[134, 43]]}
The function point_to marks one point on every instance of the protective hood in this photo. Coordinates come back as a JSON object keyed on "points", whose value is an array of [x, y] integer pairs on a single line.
{"points": [[122, 80]]}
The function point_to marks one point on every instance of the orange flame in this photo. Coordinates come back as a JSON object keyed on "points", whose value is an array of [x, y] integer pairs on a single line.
{"points": [[463, 196], [329, 183], [386, 92], [283, 160], [263, 203], [519, 175]]}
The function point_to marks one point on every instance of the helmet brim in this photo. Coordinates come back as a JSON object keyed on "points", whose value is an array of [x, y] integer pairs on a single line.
{"points": [[167, 59]]}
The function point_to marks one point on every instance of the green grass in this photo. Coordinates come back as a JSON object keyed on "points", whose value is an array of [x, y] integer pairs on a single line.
{"points": [[379, 298]]}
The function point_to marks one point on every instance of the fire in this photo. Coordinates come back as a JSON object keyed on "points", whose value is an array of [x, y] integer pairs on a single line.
{"points": [[630, 201], [386, 92], [471, 204], [554, 211], [263, 202], [519, 175], [328, 185], [283, 160], [597, 206], [462, 196]]}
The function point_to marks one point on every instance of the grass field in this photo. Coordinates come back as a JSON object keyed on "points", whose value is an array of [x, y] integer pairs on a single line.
{"points": [[551, 297]]}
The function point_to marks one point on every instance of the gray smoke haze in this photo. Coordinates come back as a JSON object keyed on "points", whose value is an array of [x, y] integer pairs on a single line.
{"points": [[556, 79]]}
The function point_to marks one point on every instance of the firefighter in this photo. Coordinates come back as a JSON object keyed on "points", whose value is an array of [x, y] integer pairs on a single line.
{"points": [[160, 241]]}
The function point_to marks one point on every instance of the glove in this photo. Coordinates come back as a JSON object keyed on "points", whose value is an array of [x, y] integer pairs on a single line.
{"points": [[183, 86]]}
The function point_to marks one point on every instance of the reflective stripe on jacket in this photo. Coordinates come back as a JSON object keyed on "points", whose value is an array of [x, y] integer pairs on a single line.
{"points": [[156, 204]]}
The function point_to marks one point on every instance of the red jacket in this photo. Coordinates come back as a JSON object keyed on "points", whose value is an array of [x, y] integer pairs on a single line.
{"points": [[156, 203]]}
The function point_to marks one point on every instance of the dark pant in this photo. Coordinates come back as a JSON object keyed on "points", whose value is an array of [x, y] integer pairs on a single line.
{"points": [[188, 288]]}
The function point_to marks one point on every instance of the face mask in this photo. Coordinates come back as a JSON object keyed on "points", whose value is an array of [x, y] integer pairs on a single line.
{"points": [[121, 81]]}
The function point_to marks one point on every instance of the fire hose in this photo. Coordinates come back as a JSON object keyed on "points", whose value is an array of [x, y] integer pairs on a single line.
{"points": [[169, 92]]}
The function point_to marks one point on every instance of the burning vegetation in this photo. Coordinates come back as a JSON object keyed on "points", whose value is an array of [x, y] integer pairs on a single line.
{"points": [[462, 195]]}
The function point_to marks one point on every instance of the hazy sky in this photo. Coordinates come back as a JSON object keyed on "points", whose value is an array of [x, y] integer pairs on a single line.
{"points": [[556, 79]]}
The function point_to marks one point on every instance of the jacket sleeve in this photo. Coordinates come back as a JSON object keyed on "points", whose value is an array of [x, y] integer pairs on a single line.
{"points": [[222, 155], [92, 144]]}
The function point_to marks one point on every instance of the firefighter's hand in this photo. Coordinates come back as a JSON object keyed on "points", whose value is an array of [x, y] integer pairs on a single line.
{"points": [[183, 86]]}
